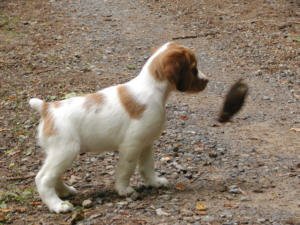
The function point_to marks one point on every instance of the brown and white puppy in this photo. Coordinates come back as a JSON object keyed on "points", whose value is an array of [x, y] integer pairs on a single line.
{"points": [[126, 118]]}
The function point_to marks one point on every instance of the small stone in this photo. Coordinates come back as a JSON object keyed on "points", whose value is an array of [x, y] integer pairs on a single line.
{"points": [[109, 204], [212, 155], [245, 199], [261, 220], [87, 203], [258, 73], [233, 189], [99, 201], [160, 212], [186, 212], [135, 196], [226, 214], [73, 179], [208, 219], [122, 203], [266, 98]]}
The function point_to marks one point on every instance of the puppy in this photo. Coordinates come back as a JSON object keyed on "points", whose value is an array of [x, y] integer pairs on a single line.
{"points": [[126, 118]]}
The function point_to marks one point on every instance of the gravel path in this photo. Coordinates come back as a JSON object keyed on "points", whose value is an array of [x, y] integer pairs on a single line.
{"points": [[244, 172]]}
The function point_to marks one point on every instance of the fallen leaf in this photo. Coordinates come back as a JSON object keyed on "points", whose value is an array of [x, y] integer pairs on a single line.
{"points": [[167, 158], [202, 213], [21, 209], [229, 205], [76, 216], [200, 206], [296, 129], [2, 217], [36, 203], [184, 117], [5, 210], [180, 186]]}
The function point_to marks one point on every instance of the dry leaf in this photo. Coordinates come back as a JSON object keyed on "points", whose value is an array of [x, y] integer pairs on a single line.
{"points": [[180, 186], [36, 203], [200, 206], [184, 117], [230, 205], [202, 213], [21, 209], [295, 129], [2, 217], [5, 210]]}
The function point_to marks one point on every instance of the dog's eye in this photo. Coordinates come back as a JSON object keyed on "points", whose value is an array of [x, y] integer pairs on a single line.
{"points": [[195, 72]]}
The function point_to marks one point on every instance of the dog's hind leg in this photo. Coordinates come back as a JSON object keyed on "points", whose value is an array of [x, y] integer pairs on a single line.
{"points": [[57, 162]]}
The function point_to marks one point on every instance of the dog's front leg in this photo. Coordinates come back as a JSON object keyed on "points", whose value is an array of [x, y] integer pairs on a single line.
{"points": [[146, 169], [126, 167]]}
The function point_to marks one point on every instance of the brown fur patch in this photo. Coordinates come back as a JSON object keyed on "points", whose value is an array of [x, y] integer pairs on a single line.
{"points": [[48, 128], [178, 65], [94, 99], [132, 107]]}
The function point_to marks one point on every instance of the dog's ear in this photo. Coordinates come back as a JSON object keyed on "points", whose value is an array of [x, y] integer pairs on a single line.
{"points": [[176, 69]]}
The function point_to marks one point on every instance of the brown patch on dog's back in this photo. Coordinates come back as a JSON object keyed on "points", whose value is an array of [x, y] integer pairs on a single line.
{"points": [[132, 107], [94, 99], [48, 128]]}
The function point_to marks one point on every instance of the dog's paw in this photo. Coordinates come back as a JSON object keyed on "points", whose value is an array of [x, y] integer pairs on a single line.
{"points": [[125, 191], [62, 207], [158, 182]]}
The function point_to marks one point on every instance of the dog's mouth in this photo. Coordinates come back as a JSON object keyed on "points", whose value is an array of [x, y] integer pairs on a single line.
{"points": [[198, 86]]}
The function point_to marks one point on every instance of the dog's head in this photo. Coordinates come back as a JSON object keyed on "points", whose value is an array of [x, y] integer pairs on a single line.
{"points": [[178, 65]]}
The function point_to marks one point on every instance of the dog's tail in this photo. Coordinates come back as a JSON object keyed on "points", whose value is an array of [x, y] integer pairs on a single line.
{"points": [[36, 104]]}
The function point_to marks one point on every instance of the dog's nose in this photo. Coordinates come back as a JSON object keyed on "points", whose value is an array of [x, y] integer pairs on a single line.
{"points": [[204, 80]]}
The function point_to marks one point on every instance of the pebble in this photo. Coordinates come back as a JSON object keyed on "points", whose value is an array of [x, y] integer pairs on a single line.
{"points": [[258, 73], [186, 212], [208, 219], [226, 214], [135, 196], [87, 203], [73, 179], [99, 201], [266, 98], [160, 212], [233, 189], [245, 199], [122, 203], [261, 220]]}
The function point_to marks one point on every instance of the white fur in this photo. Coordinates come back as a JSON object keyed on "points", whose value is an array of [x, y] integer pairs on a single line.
{"points": [[107, 129]]}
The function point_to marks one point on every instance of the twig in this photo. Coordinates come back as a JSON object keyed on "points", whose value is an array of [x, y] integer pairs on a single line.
{"points": [[20, 178], [185, 37]]}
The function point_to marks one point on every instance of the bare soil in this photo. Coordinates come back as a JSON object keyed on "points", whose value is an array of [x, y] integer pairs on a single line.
{"points": [[243, 172]]}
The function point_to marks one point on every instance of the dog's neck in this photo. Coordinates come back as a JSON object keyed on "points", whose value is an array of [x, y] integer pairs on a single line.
{"points": [[146, 84]]}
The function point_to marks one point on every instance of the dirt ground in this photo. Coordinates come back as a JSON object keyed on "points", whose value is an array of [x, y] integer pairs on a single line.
{"points": [[243, 172]]}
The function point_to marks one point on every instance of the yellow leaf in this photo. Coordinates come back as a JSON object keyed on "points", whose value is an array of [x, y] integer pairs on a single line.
{"points": [[200, 206]]}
